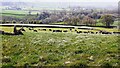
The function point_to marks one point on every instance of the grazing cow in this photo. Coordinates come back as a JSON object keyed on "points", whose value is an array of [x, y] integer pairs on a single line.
{"points": [[92, 32], [30, 28], [35, 30], [105, 32], [102, 32], [85, 32], [75, 30], [89, 32], [70, 29], [96, 32], [57, 30], [50, 29], [65, 31], [109, 32], [43, 29], [79, 31], [116, 32]]}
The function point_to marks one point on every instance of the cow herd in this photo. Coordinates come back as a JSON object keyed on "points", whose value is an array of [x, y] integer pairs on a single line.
{"points": [[74, 30], [19, 32]]}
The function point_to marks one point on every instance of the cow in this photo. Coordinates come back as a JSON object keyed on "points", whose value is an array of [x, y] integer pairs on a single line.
{"points": [[65, 31], [57, 30], [116, 32], [70, 29], [92, 32], [35, 30], [105, 32], [85, 32], [43, 29], [79, 31], [75, 30], [96, 32], [50, 29], [30, 28]]}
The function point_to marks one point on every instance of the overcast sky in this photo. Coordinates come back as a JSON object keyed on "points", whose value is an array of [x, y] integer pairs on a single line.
{"points": [[60, 0]]}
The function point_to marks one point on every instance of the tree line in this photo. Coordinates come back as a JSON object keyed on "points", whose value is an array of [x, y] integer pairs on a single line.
{"points": [[86, 17]]}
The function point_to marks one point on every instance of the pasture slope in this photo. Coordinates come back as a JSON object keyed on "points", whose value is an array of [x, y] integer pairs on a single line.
{"points": [[60, 49]]}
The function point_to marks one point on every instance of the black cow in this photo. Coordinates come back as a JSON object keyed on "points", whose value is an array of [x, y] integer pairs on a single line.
{"points": [[35, 30], [92, 32], [57, 30], [79, 31], [85, 32], [50, 29], [75, 30], [65, 31], [116, 32], [43, 29], [30, 28], [96, 32], [70, 29], [105, 32]]}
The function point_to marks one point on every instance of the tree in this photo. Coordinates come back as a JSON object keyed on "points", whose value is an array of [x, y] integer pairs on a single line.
{"points": [[75, 20], [94, 15], [44, 15], [54, 18], [67, 20], [88, 21], [107, 20], [72, 20]]}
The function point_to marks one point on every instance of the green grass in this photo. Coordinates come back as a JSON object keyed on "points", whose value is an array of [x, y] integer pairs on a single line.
{"points": [[60, 49], [7, 29], [58, 23], [108, 29], [17, 13], [10, 29], [14, 15]]}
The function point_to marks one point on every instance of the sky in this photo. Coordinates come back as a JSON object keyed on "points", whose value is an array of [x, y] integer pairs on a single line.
{"points": [[59, 0]]}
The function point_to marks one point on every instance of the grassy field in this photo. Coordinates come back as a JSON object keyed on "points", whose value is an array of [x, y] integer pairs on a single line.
{"points": [[17, 13], [10, 29], [60, 49]]}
